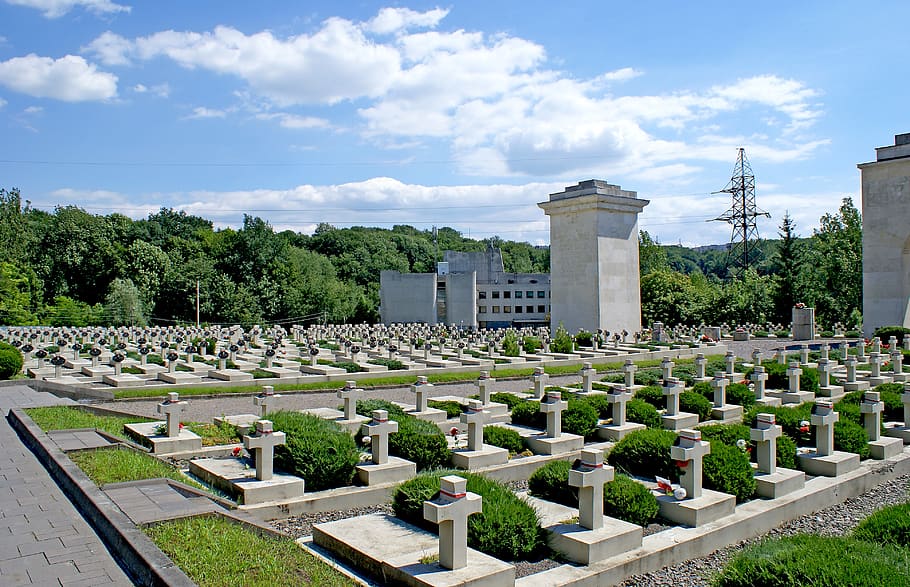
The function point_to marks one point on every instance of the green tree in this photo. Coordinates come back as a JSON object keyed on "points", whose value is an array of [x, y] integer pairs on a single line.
{"points": [[788, 264], [145, 265], [20, 295], [651, 256], [124, 304]]}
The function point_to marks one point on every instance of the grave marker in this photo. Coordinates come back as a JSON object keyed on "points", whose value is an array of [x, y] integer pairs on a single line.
{"points": [[450, 511], [589, 475], [262, 443]]}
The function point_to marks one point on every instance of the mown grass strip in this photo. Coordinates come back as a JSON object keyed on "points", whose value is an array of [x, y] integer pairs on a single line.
{"points": [[114, 465], [214, 552], [67, 418]]}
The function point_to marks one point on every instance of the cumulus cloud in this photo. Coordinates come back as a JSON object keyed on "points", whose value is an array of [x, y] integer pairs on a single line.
{"points": [[110, 49], [160, 90], [70, 78], [393, 20], [203, 112], [57, 8], [294, 121]]}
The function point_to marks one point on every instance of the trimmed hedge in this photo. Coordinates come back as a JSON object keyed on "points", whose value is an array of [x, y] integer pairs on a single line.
{"points": [[727, 469], [726, 433], [10, 360], [884, 333], [578, 418], [890, 525], [777, 377], [642, 412], [600, 404], [320, 451], [551, 482], [509, 399], [851, 437], [452, 408], [695, 403], [652, 394], [739, 394], [645, 453], [503, 438], [508, 527]]}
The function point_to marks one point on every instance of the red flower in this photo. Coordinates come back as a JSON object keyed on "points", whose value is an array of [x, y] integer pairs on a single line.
{"points": [[181, 426], [682, 464], [804, 429], [453, 431], [236, 452]]}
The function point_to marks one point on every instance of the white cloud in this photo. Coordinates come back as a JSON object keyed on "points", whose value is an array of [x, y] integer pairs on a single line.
{"points": [[2, 102], [621, 75], [70, 78], [294, 121], [160, 90], [110, 49], [57, 8], [203, 112], [393, 20], [34, 110]]}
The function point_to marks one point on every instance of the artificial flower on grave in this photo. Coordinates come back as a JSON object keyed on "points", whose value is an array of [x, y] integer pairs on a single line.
{"points": [[681, 464], [664, 485], [742, 445], [237, 451]]}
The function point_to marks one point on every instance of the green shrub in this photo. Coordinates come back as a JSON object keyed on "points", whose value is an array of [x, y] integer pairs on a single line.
{"points": [[890, 394], [739, 394], [562, 341], [642, 412], [652, 394], [786, 452], [890, 525], [727, 469], [578, 418], [319, 451], [645, 453], [417, 440], [725, 433], [510, 344], [852, 334], [884, 333], [629, 500], [10, 360], [503, 438], [509, 399], [348, 366], [452, 408], [787, 418], [807, 559], [848, 411], [366, 407], [760, 334], [851, 437], [551, 482], [531, 344], [508, 528], [584, 338], [777, 377], [782, 333], [704, 388], [527, 413], [390, 364], [695, 403], [600, 404], [648, 377]]}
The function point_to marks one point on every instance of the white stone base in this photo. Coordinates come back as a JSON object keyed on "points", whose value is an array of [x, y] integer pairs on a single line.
{"points": [[897, 430], [768, 402], [727, 413], [232, 476], [230, 375], [123, 380], [835, 392], [617, 433], [856, 386], [150, 368], [475, 459], [430, 415], [178, 377], [322, 370], [97, 372], [544, 445], [885, 448], [337, 416], [391, 472], [711, 506], [67, 380], [876, 381], [792, 397], [280, 371], [680, 421], [781, 482], [900, 377], [837, 463], [144, 433]]}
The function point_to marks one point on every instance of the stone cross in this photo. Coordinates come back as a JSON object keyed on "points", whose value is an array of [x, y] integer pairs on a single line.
{"points": [[172, 407], [907, 343], [861, 350], [553, 407], [850, 363], [871, 408], [378, 430], [824, 372], [719, 383], [700, 363], [666, 368], [823, 418], [758, 378], [765, 435], [421, 389], [450, 511], [589, 475], [876, 345], [782, 356], [588, 373], [474, 418], [689, 450], [671, 389], [897, 361], [875, 362], [263, 444], [730, 362], [823, 350], [804, 354], [265, 399], [350, 393], [539, 380], [905, 399], [628, 370], [756, 357], [793, 373], [619, 397], [484, 383]]}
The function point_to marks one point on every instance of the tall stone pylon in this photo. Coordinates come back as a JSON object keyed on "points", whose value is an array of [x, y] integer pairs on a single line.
{"points": [[594, 273]]}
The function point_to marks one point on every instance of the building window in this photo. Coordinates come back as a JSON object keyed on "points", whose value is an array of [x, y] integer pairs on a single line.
{"points": [[482, 310], [541, 294], [518, 309], [507, 309], [496, 309], [529, 309], [496, 295], [481, 295], [507, 294], [530, 294], [518, 295], [540, 309]]}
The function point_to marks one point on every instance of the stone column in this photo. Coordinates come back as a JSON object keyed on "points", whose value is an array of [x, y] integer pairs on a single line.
{"points": [[700, 364], [263, 444], [758, 378], [875, 362], [450, 511], [553, 408], [350, 393], [823, 418], [172, 407], [474, 418], [589, 476], [628, 370], [379, 429], [824, 372], [730, 363], [689, 450], [804, 354], [421, 389], [719, 383], [765, 435], [484, 383], [539, 381], [793, 374], [850, 364], [823, 350], [671, 389], [897, 362], [619, 397], [265, 399], [588, 373], [871, 409], [666, 368]]}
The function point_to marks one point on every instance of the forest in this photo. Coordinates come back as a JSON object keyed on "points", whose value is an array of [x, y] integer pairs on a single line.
{"points": [[70, 267]]}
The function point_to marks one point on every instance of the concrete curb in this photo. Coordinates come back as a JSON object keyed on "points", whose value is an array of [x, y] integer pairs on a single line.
{"points": [[135, 551]]}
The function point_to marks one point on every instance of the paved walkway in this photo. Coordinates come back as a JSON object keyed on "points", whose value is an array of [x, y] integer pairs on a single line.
{"points": [[43, 538]]}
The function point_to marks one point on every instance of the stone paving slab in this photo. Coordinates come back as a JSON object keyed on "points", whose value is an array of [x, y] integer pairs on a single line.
{"points": [[88, 438], [43, 538], [156, 500]]}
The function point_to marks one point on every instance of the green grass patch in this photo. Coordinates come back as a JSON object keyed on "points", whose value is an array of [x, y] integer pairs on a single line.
{"points": [[67, 418], [215, 434], [115, 465], [215, 552]]}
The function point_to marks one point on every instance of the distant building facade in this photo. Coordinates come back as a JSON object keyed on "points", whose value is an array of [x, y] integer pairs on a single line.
{"points": [[469, 289]]}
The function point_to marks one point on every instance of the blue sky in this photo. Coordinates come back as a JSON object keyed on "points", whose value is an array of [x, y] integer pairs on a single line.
{"points": [[464, 114]]}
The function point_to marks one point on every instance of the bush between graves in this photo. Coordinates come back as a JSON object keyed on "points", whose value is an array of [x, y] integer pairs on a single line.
{"points": [[578, 418], [531, 344], [653, 395], [600, 404], [551, 482], [641, 412], [727, 469], [890, 525], [508, 527], [10, 360], [452, 408], [418, 441], [848, 411], [787, 418], [890, 394], [884, 333], [584, 338], [509, 399], [777, 377], [319, 451], [808, 559], [695, 403], [562, 341], [390, 364], [851, 437], [503, 438], [645, 453], [510, 345], [730, 433]]}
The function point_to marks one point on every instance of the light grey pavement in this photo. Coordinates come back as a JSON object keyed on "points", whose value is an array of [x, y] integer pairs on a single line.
{"points": [[43, 538]]}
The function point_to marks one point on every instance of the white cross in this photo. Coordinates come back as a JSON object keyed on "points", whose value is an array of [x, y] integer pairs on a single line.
{"points": [[671, 389], [689, 450], [539, 381], [264, 399], [897, 361], [758, 378], [474, 418], [719, 383], [618, 397], [823, 418], [589, 475], [450, 511], [875, 360], [793, 373], [700, 364], [850, 362], [553, 407], [263, 444], [765, 434], [871, 408], [172, 407], [588, 373], [421, 388], [483, 383], [730, 361], [379, 429], [824, 372], [666, 368], [350, 393], [628, 370]]}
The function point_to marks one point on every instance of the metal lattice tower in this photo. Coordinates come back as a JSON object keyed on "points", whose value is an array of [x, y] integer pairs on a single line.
{"points": [[741, 215]]}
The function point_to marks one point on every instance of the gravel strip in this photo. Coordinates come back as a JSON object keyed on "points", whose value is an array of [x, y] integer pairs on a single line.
{"points": [[302, 525], [836, 520]]}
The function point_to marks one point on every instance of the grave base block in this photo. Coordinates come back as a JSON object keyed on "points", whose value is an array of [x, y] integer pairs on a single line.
{"points": [[124, 380], [885, 448], [337, 416], [395, 470], [243, 422], [856, 386], [322, 370], [897, 430], [876, 381], [178, 377], [768, 402], [793, 397], [727, 413], [579, 544], [388, 548], [97, 372], [900, 377], [832, 465], [835, 392], [430, 415], [231, 476], [474, 459], [544, 445], [150, 368], [616, 433], [680, 421], [144, 433], [280, 372], [781, 482], [230, 375], [711, 506]]}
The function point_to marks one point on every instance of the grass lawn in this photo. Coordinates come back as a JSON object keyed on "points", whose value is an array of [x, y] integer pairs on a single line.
{"points": [[214, 552], [115, 465], [213, 435], [66, 417]]}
